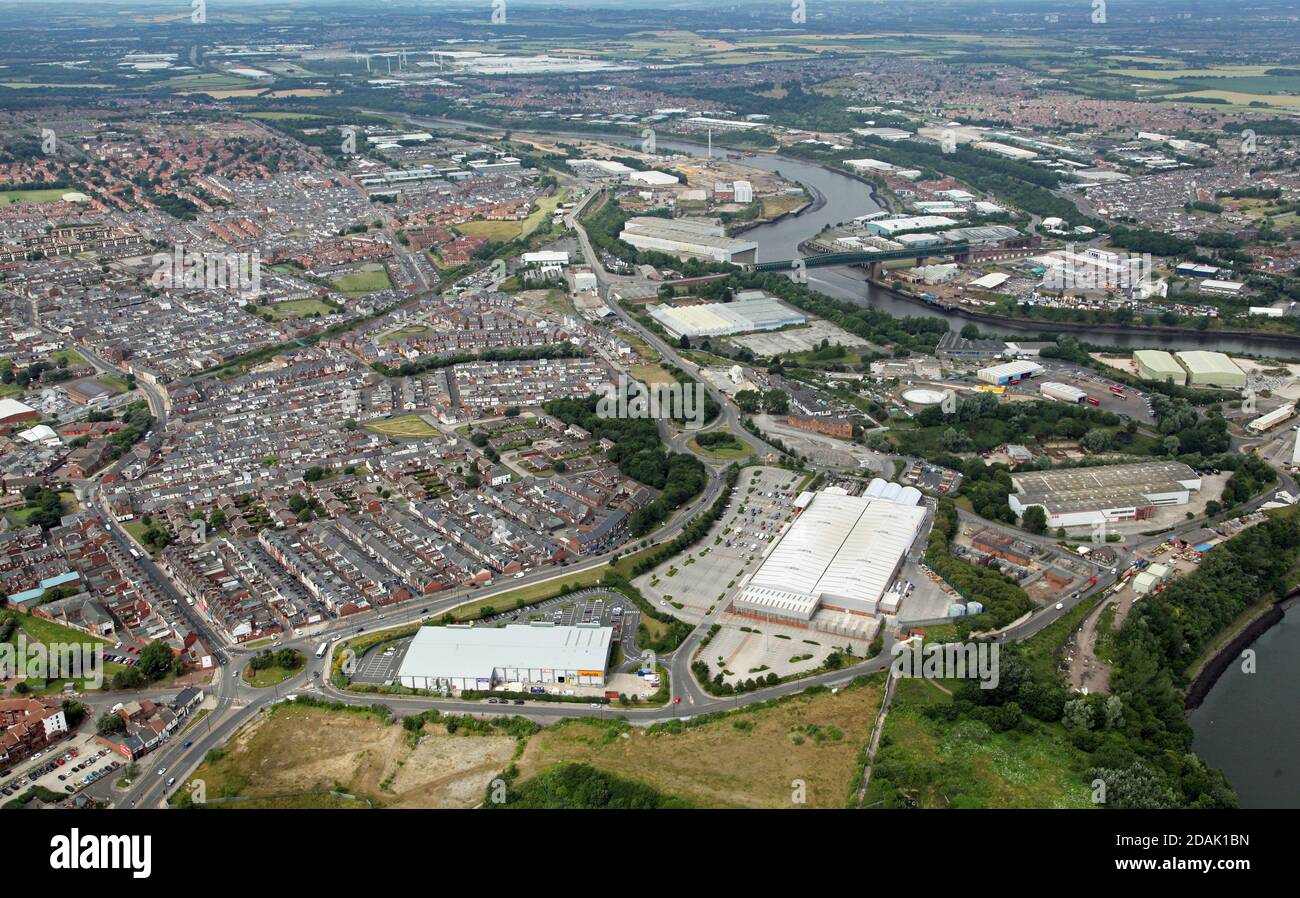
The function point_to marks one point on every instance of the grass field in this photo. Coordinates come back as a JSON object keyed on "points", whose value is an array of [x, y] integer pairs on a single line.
{"points": [[941, 764], [47, 633], [9, 197], [723, 452], [745, 759], [406, 426], [297, 308], [414, 330], [652, 374], [297, 756], [367, 280], [268, 676], [114, 381], [71, 355], [504, 231]]}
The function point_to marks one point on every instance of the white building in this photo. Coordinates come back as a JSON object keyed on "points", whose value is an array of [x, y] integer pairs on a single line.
{"points": [[1085, 497], [841, 554], [654, 178], [687, 238], [482, 658], [1062, 392], [1265, 423], [1009, 372], [744, 191]]}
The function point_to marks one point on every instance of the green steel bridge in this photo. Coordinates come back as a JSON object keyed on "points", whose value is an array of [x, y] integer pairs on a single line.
{"points": [[960, 250]]}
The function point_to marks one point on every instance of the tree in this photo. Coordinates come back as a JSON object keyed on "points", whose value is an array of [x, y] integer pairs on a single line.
{"points": [[776, 401], [1097, 440], [953, 440], [73, 712], [749, 401], [1034, 519], [156, 660], [109, 724]]}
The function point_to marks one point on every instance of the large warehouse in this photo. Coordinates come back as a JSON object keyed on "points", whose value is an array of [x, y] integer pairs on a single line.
{"points": [[1084, 497], [716, 319], [1009, 373], [485, 657], [1158, 365], [841, 554], [688, 238], [1211, 369], [1062, 392]]}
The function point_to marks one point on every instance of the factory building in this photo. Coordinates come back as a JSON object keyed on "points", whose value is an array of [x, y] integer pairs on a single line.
{"points": [[693, 238], [716, 319], [1085, 497], [1062, 392], [1009, 373], [482, 658], [14, 412], [1265, 423], [888, 227], [654, 178], [1211, 369], [841, 555], [1158, 365]]}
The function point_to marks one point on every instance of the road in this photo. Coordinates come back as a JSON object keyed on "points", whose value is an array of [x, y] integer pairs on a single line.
{"points": [[237, 703]]}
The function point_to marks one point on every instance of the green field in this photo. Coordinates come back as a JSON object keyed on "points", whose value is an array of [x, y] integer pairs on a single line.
{"points": [[965, 764], [46, 633], [9, 197], [298, 308], [112, 380], [414, 330], [71, 356], [504, 231], [359, 283], [407, 426], [269, 676]]}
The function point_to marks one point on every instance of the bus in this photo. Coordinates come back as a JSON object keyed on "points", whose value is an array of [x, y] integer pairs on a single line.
{"points": [[324, 647], [1117, 390]]}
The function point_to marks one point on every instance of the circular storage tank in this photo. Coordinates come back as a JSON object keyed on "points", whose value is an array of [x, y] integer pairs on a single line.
{"points": [[924, 397]]}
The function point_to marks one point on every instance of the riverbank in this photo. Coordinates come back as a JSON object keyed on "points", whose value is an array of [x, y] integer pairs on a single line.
{"points": [[1208, 674], [1290, 341]]}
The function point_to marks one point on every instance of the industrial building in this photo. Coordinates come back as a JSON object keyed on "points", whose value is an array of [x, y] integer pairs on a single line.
{"points": [[1265, 423], [842, 554], [888, 227], [654, 178], [1062, 392], [1082, 497], [482, 658], [14, 412], [716, 319], [1009, 373], [1211, 369], [1158, 365], [695, 238]]}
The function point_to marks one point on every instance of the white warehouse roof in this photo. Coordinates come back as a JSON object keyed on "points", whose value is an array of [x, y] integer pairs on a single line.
{"points": [[843, 549], [653, 177], [474, 652]]}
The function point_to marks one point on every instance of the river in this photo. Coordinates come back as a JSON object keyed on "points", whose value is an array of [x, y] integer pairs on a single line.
{"points": [[839, 199], [1248, 726]]}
